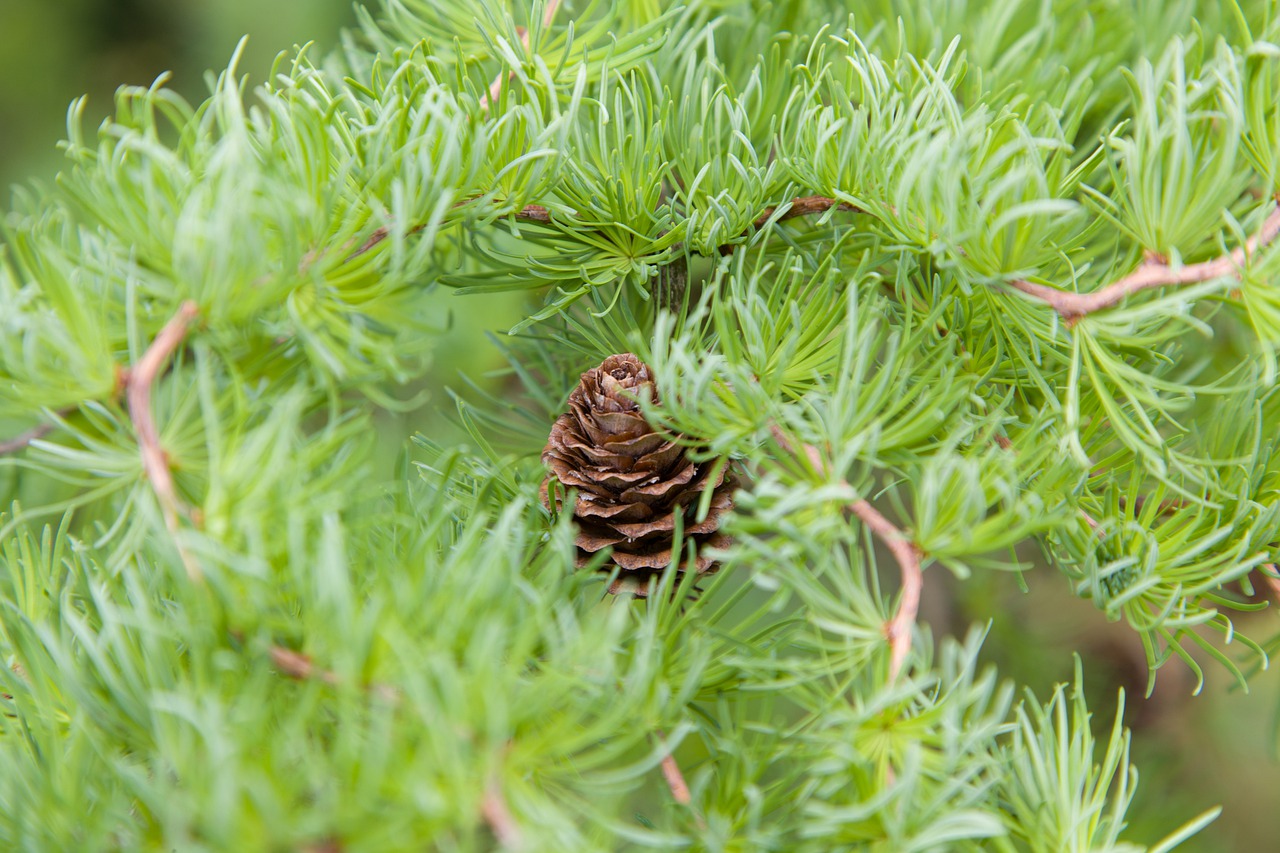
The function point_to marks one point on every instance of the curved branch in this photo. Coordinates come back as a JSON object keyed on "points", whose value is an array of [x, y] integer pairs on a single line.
{"points": [[155, 463], [1151, 274], [498, 817], [898, 629]]}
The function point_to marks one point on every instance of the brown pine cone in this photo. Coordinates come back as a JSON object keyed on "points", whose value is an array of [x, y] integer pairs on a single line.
{"points": [[632, 483]]}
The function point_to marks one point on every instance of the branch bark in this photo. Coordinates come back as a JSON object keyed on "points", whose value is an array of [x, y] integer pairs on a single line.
{"points": [[155, 462], [528, 213], [675, 782], [803, 206], [20, 442], [898, 629], [300, 667], [496, 814], [1152, 273]]}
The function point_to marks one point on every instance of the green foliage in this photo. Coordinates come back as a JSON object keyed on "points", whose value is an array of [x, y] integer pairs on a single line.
{"points": [[823, 232]]}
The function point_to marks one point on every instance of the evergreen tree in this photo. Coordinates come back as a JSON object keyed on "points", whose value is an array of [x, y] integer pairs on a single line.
{"points": [[897, 293]]}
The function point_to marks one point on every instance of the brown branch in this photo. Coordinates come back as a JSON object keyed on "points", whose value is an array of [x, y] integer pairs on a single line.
{"points": [[20, 442], [533, 213], [300, 667], [528, 213], [493, 808], [139, 382], [898, 629], [1151, 273], [675, 782], [802, 206]]}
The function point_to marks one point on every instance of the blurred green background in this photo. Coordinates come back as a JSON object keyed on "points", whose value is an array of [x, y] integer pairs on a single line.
{"points": [[53, 51], [1193, 752]]}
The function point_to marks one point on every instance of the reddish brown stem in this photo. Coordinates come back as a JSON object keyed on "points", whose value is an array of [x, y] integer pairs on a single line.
{"points": [[300, 667], [898, 629], [20, 442], [494, 810], [675, 781], [528, 213], [1151, 273], [141, 378], [803, 206], [676, 784]]}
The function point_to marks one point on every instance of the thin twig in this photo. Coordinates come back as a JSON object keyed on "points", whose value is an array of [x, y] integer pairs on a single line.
{"points": [[300, 667], [494, 810], [1151, 273], [528, 213], [495, 88], [20, 442], [675, 782], [898, 629], [155, 462], [803, 206]]}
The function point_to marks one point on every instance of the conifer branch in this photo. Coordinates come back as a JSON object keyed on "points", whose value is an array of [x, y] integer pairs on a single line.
{"points": [[801, 206], [898, 629], [528, 213], [1151, 273], [329, 845], [155, 462], [300, 667], [808, 205], [494, 810], [675, 780], [20, 442], [676, 783]]}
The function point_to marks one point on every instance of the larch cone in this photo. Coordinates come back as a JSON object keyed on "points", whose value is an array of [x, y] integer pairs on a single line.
{"points": [[632, 482]]}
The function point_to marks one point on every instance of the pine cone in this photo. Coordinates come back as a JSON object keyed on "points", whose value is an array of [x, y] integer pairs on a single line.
{"points": [[632, 483]]}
